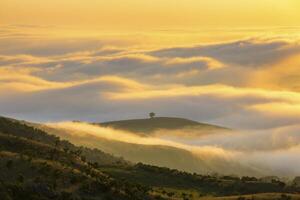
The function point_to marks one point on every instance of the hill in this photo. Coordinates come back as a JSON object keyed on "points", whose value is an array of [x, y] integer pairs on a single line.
{"points": [[158, 154], [36, 165], [30, 131], [181, 185], [158, 123]]}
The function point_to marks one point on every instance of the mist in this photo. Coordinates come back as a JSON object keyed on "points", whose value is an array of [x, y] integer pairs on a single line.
{"points": [[255, 153]]}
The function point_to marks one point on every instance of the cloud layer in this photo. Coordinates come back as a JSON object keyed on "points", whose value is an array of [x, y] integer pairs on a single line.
{"points": [[256, 153], [243, 84]]}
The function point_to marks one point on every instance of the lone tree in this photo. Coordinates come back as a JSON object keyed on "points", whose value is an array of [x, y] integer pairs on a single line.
{"points": [[152, 115]]}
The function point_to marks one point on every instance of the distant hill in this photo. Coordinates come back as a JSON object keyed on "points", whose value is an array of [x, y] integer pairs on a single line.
{"points": [[153, 124]]}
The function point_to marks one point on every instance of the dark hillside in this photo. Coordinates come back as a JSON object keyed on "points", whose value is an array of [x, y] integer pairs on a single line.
{"points": [[35, 165], [20, 129]]}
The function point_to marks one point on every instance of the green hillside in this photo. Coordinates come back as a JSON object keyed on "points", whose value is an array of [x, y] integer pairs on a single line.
{"points": [[25, 130], [157, 123], [35, 165], [166, 178]]}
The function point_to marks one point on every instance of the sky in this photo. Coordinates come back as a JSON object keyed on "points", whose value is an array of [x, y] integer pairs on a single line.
{"points": [[137, 14], [229, 62]]}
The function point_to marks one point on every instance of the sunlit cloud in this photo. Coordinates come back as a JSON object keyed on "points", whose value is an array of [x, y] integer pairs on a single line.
{"points": [[221, 91], [18, 79], [242, 83]]}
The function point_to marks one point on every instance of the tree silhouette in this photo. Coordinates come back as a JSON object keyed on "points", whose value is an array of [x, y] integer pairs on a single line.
{"points": [[152, 115]]}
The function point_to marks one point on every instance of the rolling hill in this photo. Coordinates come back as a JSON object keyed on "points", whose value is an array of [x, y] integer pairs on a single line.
{"points": [[162, 155], [160, 123]]}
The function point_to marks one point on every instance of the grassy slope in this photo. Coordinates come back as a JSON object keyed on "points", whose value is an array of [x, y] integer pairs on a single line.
{"points": [[173, 180], [29, 131], [35, 165]]}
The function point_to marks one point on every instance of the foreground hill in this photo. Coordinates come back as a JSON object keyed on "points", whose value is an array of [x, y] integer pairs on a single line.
{"points": [[158, 123], [36, 165]]}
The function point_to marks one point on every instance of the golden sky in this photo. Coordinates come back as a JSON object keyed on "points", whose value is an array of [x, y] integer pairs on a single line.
{"points": [[155, 14]]}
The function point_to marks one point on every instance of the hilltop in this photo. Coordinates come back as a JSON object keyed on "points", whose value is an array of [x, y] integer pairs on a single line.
{"points": [[153, 124]]}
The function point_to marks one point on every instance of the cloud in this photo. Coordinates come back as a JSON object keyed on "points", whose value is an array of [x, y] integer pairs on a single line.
{"points": [[13, 80], [108, 98], [249, 84], [196, 68], [129, 65], [19, 59], [211, 63], [282, 75], [259, 153], [246, 53]]}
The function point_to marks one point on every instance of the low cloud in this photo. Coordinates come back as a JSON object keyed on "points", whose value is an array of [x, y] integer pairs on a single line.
{"points": [[247, 84], [247, 53], [242, 150], [250, 85]]}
